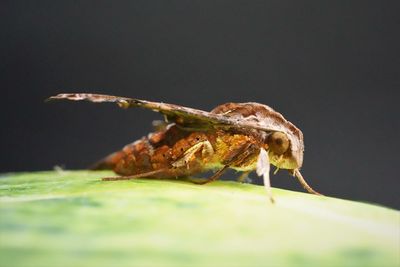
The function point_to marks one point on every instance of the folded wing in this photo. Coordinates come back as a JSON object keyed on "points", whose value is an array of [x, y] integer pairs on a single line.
{"points": [[174, 113]]}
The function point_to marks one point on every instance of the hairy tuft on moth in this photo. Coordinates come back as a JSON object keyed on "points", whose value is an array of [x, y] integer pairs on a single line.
{"points": [[242, 136]]}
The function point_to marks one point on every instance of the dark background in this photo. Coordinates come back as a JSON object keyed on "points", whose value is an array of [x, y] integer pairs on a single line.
{"points": [[333, 69]]}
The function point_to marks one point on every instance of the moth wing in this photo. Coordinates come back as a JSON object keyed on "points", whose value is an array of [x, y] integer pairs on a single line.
{"points": [[184, 116]]}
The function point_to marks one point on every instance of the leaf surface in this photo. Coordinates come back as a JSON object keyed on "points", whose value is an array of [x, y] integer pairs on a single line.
{"points": [[73, 218]]}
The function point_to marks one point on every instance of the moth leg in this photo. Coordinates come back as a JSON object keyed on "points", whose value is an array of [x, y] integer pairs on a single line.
{"points": [[159, 125], [263, 167], [244, 177], [214, 177], [303, 182], [243, 153], [278, 161], [206, 151], [136, 176]]}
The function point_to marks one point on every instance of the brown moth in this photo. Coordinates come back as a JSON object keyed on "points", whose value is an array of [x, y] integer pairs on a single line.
{"points": [[242, 136]]}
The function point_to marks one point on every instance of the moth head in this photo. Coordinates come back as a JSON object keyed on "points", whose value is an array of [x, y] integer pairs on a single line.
{"points": [[283, 140], [285, 149], [278, 142]]}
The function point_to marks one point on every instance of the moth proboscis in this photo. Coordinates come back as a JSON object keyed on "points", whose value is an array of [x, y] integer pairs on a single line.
{"points": [[241, 136]]}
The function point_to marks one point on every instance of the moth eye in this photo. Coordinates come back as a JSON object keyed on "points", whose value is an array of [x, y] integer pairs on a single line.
{"points": [[278, 142]]}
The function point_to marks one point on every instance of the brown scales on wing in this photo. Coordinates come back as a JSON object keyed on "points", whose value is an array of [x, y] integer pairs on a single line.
{"points": [[167, 150]]}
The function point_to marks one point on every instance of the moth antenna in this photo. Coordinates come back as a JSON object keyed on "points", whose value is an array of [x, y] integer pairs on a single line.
{"points": [[303, 182], [276, 170]]}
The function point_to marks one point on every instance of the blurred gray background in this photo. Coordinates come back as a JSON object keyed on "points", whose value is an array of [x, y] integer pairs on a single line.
{"points": [[332, 68]]}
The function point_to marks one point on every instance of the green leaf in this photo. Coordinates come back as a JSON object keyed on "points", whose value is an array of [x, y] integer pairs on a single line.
{"points": [[73, 218]]}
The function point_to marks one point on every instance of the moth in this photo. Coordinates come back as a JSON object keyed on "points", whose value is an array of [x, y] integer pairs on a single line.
{"points": [[245, 137]]}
